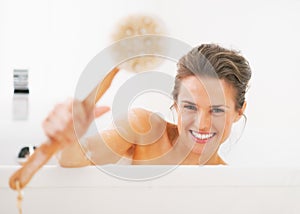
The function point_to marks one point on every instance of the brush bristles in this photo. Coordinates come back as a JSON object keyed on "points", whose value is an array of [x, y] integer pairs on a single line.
{"points": [[137, 25]]}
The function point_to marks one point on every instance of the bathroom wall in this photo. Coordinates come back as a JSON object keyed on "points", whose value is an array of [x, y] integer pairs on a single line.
{"points": [[56, 39]]}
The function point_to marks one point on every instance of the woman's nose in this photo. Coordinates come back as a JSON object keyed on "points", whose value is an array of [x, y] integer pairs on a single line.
{"points": [[204, 121]]}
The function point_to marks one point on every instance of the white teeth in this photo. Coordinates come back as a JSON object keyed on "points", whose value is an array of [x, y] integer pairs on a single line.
{"points": [[202, 136]]}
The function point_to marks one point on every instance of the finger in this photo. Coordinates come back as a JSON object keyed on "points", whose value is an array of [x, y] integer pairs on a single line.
{"points": [[48, 130], [55, 125], [64, 116], [101, 110], [53, 133], [68, 103]]}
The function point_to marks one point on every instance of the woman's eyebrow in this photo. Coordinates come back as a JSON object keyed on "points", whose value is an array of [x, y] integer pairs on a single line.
{"points": [[218, 106], [188, 102], [213, 106]]}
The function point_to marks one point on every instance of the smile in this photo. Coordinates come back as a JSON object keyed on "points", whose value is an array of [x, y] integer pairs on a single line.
{"points": [[202, 137]]}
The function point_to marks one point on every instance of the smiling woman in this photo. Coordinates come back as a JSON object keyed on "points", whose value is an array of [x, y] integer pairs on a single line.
{"points": [[209, 96], [209, 92]]}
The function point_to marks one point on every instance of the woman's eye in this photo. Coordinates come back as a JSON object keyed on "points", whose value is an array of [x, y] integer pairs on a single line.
{"points": [[217, 110], [190, 107]]}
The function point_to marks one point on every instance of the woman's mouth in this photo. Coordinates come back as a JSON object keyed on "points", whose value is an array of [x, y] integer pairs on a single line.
{"points": [[202, 137]]}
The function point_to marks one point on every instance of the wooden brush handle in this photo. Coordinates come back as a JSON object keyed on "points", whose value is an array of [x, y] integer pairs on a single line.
{"points": [[46, 150]]}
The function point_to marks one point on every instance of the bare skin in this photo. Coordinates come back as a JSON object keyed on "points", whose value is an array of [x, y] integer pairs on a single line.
{"points": [[205, 116]]}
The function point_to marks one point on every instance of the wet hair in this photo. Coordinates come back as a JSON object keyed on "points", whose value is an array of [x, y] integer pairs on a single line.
{"points": [[214, 61]]}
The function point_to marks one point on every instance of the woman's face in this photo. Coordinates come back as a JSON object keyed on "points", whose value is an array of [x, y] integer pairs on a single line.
{"points": [[206, 112]]}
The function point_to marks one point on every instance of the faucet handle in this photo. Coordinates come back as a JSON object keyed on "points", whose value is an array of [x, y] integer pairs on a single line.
{"points": [[21, 91], [21, 81]]}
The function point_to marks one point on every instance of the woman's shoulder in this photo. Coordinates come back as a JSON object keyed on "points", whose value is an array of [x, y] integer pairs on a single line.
{"points": [[140, 123], [143, 120]]}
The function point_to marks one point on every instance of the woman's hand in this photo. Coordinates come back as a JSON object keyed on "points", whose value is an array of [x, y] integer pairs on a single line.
{"points": [[66, 117]]}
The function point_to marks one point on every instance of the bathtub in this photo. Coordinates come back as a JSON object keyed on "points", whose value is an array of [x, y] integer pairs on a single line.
{"points": [[184, 189]]}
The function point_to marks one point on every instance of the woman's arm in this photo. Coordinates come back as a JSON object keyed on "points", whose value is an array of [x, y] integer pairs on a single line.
{"points": [[138, 127], [59, 126], [105, 148]]}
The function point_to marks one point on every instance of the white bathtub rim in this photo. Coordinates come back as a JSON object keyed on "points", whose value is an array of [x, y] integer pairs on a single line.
{"points": [[52, 176]]}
